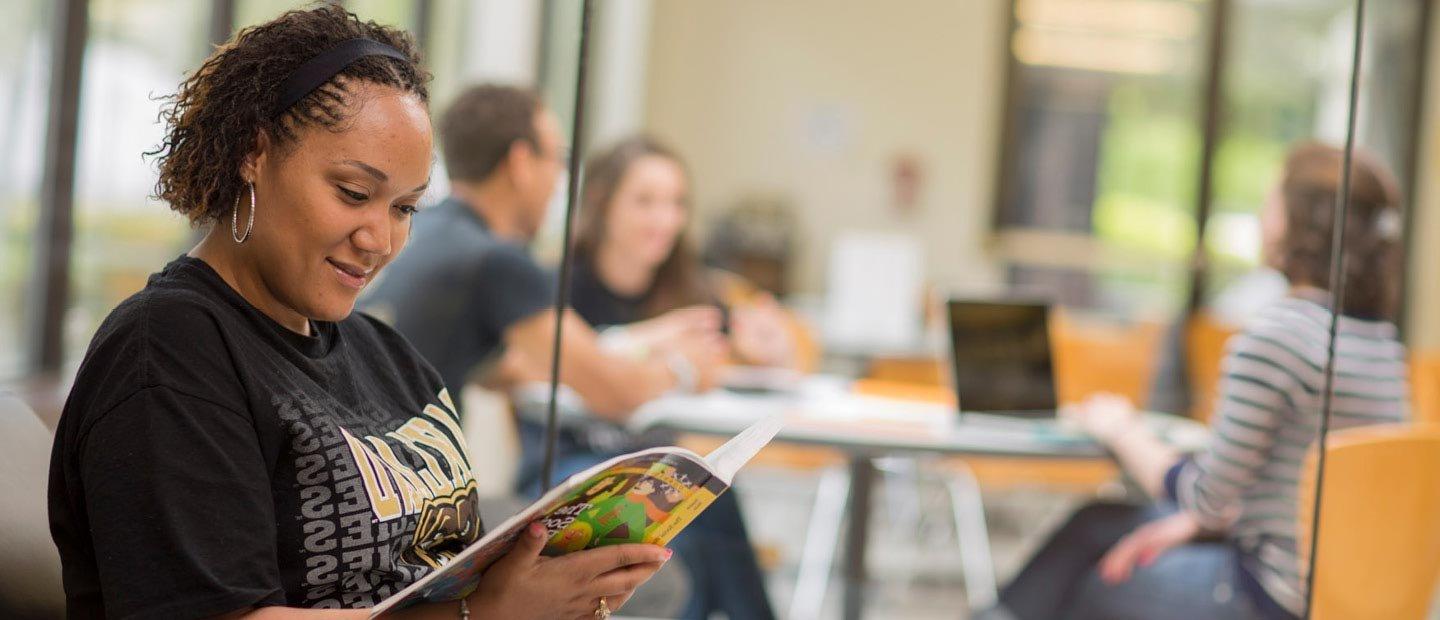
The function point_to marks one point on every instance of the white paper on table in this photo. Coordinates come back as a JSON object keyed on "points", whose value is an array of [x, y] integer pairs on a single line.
{"points": [[874, 288]]}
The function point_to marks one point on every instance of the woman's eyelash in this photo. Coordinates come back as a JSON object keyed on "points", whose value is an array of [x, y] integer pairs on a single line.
{"points": [[353, 195]]}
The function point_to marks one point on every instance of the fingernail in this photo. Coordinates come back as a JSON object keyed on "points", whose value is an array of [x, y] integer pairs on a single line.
{"points": [[668, 553], [537, 530]]}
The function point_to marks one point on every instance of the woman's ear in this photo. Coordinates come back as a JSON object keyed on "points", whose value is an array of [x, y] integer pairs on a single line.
{"points": [[257, 157]]}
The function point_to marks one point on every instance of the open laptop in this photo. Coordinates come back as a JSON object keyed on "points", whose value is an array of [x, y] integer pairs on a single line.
{"points": [[1001, 361]]}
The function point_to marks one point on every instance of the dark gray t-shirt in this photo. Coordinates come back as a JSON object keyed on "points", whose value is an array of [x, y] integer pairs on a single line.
{"points": [[456, 288]]}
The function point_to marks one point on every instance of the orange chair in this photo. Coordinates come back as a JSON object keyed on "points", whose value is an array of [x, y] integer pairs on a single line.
{"points": [[1379, 544], [1093, 357], [915, 371], [925, 392], [1205, 340], [735, 290], [1425, 387]]}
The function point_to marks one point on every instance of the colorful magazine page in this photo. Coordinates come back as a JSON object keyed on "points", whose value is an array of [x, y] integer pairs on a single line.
{"points": [[642, 497]]}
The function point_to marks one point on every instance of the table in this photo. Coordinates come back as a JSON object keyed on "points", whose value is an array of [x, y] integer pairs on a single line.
{"points": [[822, 411]]}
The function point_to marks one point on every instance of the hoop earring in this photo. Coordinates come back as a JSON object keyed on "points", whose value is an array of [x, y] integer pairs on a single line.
{"points": [[235, 218]]}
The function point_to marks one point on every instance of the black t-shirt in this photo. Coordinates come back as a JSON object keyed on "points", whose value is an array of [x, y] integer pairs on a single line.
{"points": [[209, 460], [602, 307], [597, 304], [456, 289]]}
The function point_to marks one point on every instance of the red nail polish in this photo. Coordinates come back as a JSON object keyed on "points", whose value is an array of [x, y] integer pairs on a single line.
{"points": [[537, 530]]}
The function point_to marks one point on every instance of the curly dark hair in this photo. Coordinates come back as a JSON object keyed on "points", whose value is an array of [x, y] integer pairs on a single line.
{"points": [[219, 111], [1309, 190]]}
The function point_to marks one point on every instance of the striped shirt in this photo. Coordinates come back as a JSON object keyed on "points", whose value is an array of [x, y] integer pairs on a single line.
{"points": [[1246, 482]]}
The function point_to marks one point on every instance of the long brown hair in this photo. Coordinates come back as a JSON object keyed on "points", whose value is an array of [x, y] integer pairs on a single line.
{"points": [[1309, 190], [680, 280]]}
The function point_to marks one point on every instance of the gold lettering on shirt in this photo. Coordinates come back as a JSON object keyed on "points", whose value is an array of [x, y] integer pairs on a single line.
{"points": [[395, 489]]}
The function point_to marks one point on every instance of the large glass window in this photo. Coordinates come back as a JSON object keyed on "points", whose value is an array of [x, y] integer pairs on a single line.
{"points": [[25, 64], [251, 12], [445, 49], [121, 234], [1103, 148], [1103, 143], [1286, 80], [399, 13]]}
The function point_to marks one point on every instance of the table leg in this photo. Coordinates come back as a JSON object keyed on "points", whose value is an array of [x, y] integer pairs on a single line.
{"points": [[817, 560], [968, 509], [862, 481]]}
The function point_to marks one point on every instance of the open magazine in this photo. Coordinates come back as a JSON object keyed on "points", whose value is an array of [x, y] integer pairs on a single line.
{"points": [[641, 497]]}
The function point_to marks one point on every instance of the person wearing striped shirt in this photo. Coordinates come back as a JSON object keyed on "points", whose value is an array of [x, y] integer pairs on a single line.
{"points": [[1220, 541]]}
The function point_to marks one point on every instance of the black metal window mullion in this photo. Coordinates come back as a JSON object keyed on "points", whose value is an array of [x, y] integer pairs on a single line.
{"points": [[1212, 108], [50, 292], [544, 57], [1411, 169], [1012, 94], [222, 20]]}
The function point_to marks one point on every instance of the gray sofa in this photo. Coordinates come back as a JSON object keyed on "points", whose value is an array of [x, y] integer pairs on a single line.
{"points": [[29, 565]]}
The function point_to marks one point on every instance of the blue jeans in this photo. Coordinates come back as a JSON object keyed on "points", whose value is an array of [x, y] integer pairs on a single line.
{"points": [[1198, 581], [724, 572]]}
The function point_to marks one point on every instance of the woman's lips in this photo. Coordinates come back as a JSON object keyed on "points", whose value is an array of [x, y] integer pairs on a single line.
{"points": [[350, 275]]}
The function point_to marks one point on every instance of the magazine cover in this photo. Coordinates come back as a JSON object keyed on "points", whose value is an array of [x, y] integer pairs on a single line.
{"points": [[642, 497], [645, 499]]}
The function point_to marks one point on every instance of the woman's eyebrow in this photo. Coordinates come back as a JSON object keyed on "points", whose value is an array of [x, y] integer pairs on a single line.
{"points": [[372, 170]]}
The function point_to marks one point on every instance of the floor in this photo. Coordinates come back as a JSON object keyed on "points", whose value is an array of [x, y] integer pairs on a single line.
{"points": [[914, 560]]}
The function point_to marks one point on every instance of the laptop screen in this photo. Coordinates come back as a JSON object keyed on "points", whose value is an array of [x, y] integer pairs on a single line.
{"points": [[1001, 357]]}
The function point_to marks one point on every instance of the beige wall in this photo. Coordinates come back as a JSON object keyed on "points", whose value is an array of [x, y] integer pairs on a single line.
{"points": [[1424, 272], [813, 99]]}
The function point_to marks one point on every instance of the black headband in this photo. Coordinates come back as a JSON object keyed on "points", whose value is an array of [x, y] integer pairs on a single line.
{"points": [[321, 68]]}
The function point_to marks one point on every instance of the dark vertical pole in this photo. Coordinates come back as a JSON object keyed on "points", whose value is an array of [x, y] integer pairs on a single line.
{"points": [[577, 133], [547, 15], [1411, 180], [222, 20], [1013, 92], [862, 482], [51, 290], [1213, 102], [1337, 300]]}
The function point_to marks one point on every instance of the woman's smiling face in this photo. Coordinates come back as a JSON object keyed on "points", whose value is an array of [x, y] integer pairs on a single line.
{"points": [[649, 210], [334, 206]]}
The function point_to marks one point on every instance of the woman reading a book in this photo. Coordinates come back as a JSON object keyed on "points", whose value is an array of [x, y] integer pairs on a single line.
{"points": [[238, 443]]}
